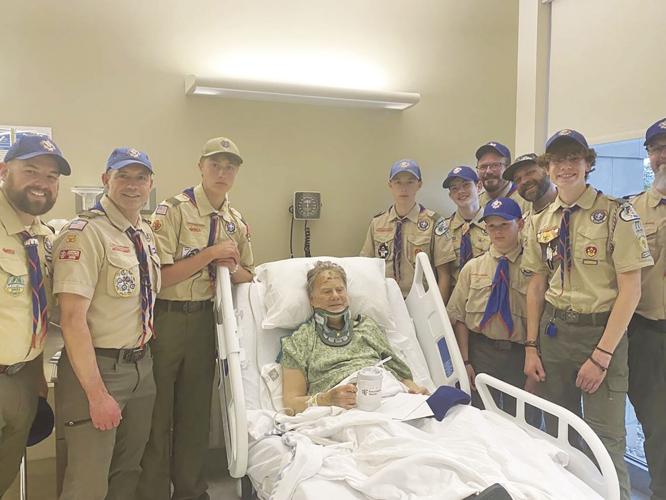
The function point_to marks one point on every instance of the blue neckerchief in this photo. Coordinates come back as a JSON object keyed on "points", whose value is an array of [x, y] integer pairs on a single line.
{"points": [[499, 301]]}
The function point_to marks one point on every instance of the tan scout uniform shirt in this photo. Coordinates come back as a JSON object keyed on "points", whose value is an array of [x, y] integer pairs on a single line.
{"points": [[606, 238], [423, 231], [16, 295], [181, 228], [95, 258], [457, 226], [524, 205], [653, 217], [470, 296]]}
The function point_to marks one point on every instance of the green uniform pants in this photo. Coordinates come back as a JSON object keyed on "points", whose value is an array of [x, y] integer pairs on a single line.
{"points": [[18, 405], [647, 391], [562, 356], [184, 367], [106, 464]]}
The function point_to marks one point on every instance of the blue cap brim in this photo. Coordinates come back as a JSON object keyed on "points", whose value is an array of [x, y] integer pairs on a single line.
{"points": [[63, 166], [125, 163], [449, 179], [503, 215]]}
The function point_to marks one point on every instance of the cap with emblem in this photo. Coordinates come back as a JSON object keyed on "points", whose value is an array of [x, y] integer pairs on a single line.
{"points": [[657, 128], [221, 145], [461, 172], [121, 157], [522, 160], [566, 134], [505, 208], [30, 145], [494, 147], [405, 166]]}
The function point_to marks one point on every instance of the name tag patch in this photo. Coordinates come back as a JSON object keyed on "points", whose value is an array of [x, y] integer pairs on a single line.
{"points": [[69, 255]]}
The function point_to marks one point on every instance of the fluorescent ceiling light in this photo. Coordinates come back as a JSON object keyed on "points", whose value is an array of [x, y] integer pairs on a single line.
{"points": [[310, 94]]}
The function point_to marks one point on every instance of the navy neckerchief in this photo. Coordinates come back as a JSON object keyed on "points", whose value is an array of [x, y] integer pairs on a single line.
{"points": [[39, 309], [499, 301], [466, 244], [397, 240], [564, 241], [212, 232]]}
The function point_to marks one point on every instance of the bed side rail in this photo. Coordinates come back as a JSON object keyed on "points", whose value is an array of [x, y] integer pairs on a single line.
{"points": [[603, 480], [433, 328], [232, 398]]}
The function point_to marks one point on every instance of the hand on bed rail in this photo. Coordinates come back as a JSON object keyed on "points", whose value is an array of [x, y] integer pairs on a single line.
{"points": [[224, 253]]}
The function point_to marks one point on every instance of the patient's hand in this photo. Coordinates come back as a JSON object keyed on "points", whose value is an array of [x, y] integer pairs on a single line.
{"points": [[343, 396], [413, 388]]}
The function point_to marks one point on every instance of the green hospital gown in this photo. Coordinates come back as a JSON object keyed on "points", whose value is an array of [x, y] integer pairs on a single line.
{"points": [[325, 366]]}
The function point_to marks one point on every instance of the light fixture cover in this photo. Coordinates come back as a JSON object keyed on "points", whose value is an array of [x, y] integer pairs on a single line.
{"points": [[288, 92]]}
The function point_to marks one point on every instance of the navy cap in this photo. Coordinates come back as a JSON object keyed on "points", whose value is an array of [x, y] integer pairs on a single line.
{"points": [[462, 172], [502, 207], [517, 163], [566, 134], [657, 128], [405, 166], [494, 147], [29, 145], [121, 157]]}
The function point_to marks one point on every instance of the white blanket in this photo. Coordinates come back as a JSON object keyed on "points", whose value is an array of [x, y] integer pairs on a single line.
{"points": [[386, 459]]}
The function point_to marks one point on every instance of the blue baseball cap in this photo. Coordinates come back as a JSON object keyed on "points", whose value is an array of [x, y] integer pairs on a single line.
{"points": [[505, 208], [29, 145], [494, 147], [121, 157], [657, 128], [462, 172], [517, 163], [405, 166], [566, 134]]}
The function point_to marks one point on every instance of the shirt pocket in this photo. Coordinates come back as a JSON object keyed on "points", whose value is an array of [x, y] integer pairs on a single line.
{"points": [[656, 238], [384, 245], [417, 243], [17, 280], [591, 245], [122, 275], [479, 293]]}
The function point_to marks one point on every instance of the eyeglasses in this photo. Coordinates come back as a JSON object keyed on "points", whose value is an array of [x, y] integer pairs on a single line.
{"points": [[490, 166], [570, 158], [656, 149]]}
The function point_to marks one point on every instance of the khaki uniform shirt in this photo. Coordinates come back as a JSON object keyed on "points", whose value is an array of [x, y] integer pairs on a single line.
{"points": [[16, 296], [423, 231], [524, 205], [96, 259], [653, 216], [457, 227], [607, 238], [470, 296], [181, 229]]}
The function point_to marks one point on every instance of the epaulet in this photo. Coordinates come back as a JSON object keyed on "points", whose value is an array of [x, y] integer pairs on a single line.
{"points": [[380, 213], [630, 197], [81, 220], [90, 214], [145, 220], [236, 214], [174, 201], [435, 216]]}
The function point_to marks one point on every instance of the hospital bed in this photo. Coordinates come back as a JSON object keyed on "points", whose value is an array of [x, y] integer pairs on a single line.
{"points": [[427, 342]]}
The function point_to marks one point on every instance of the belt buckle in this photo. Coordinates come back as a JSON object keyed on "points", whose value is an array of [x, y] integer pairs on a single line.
{"points": [[571, 316]]}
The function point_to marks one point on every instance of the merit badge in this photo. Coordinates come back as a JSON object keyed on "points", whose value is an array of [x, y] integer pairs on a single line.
{"points": [[627, 213], [231, 227], [599, 216], [124, 282], [423, 224], [156, 225], [591, 251], [15, 285], [77, 225], [69, 255], [162, 209], [442, 227], [383, 251]]}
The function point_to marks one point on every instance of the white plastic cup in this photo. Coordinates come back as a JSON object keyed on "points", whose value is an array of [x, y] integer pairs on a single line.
{"points": [[369, 388]]}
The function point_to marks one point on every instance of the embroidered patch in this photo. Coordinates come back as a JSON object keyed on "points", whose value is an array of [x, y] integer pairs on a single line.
{"points": [[69, 254], [152, 249], [590, 262], [548, 234], [231, 227], [599, 216], [642, 240], [15, 285], [71, 238], [120, 248], [384, 229], [156, 225], [189, 252], [162, 209], [195, 228], [383, 251], [48, 245], [77, 225], [9, 251], [124, 282], [591, 251], [647, 254], [442, 227], [638, 228], [423, 224], [628, 213]]}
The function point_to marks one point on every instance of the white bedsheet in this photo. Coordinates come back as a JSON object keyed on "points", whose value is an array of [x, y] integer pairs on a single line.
{"points": [[380, 458]]}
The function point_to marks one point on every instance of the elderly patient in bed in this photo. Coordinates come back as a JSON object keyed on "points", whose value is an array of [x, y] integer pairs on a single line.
{"points": [[332, 345]]}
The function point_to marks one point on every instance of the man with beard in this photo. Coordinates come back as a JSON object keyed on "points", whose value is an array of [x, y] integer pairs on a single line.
{"points": [[492, 160], [30, 174], [532, 182], [647, 330]]}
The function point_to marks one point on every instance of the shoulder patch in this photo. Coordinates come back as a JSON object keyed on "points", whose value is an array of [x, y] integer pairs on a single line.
{"points": [[442, 226], [77, 225], [162, 209], [628, 213]]}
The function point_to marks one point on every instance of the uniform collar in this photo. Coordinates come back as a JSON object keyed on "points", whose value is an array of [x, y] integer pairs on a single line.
{"points": [[512, 255], [412, 215], [654, 197], [203, 204], [585, 201], [115, 216], [457, 219], [13, 224]]}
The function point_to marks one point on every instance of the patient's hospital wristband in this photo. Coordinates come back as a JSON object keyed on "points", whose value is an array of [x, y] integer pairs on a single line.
{"points": [[597, 364], [312, 400]]}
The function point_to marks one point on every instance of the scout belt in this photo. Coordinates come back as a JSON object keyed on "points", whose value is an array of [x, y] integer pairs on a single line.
{"points": [[658, 325], [577, 318], [500, 345], [184, 306], [128, 355], [11, 369]]}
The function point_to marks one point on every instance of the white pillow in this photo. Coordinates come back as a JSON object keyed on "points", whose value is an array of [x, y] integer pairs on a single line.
{"points": [[286, 299]]}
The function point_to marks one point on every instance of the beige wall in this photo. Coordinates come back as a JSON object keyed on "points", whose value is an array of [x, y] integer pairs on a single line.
{"points": [[105, 74], [607, 67]]}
